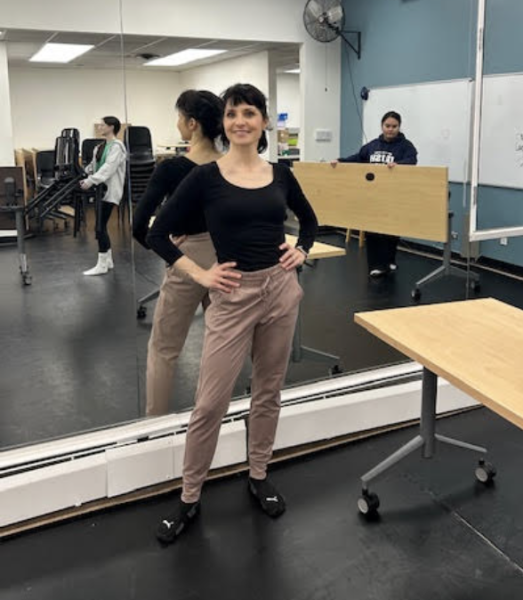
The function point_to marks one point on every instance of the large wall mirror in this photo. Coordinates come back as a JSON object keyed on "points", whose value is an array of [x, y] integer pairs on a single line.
{"points": [[78, 358], [78, 353], [70, 362]]}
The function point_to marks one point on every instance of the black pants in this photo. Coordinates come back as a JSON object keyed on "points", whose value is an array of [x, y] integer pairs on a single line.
{"points": [[381, 250], [103, 212]]}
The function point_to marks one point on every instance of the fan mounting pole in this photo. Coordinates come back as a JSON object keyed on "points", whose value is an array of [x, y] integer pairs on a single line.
{"points": [[357, 48]]}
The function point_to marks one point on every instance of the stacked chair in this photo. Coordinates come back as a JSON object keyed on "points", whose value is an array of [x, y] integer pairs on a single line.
{"points": [[141, 160], [58, 188]]}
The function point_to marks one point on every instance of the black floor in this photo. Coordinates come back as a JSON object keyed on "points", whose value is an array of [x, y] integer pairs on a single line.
{"points": [[74, 357], [68, 357], [441, 535]]}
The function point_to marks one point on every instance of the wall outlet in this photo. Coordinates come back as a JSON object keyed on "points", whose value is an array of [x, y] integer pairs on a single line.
{"points": [[503, 241], [323, 135]]}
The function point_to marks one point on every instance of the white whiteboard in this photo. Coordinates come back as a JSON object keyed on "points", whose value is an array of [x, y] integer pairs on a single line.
{"points": [[436, 118], [501, 145]]}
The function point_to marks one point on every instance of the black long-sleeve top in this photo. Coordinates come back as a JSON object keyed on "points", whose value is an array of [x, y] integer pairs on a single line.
{"points": [[246, 225], [166, 178]]}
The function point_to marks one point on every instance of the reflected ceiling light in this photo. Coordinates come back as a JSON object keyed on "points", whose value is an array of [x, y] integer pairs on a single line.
{"points": [[60, 53], [183, 57], [293, 71]]}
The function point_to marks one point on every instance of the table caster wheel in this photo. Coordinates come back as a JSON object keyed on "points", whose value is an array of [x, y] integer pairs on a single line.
{"points": [[27, 279], [485, 472], [141, 313], [474, 286], [416, 294], [335, 370], [368, 503]]}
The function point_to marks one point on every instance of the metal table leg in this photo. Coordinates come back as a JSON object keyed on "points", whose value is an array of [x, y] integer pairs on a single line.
{"points": [[446, 269], [20, 241], [300, 352], [426, 440]]}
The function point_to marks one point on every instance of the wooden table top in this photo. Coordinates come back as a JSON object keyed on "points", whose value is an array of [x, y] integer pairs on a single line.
{"points": [[477, 345], [408, 201], [319, 250]]}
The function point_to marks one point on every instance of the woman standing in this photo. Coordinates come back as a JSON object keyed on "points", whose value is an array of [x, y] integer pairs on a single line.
{"points": [[200, 115], [107, 167], [254, 293], [390, 148]]}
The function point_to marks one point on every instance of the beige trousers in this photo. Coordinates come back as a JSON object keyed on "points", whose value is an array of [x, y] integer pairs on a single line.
{"points": [[179, 298], [259, 315]]}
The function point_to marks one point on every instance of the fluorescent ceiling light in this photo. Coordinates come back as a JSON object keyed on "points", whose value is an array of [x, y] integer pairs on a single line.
{"points": [[182, 58], [293, 71], [60, 53]]}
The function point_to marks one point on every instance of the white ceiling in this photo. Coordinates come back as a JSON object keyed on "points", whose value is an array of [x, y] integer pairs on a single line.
{"points": [[110, 50]]}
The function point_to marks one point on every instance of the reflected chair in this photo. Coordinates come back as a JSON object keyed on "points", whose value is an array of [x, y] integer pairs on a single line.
{"points": [[88, 146], [45, 173], [59, 172], [141, 160]]}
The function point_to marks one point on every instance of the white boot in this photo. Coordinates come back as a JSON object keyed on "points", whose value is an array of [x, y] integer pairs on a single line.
{"points": [[110, 263], [101, 267]]}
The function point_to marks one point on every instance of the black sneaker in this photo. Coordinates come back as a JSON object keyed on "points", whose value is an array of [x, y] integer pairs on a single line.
{"points": [[271, 501], [377, 272], [173, 525]]}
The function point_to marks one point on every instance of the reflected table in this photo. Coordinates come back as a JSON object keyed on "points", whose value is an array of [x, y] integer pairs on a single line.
{"points": [[475, 345], [299, 352]]}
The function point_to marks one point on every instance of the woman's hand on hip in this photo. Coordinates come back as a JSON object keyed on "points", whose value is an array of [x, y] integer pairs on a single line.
{"points": [[292, 257], [221, 277]]}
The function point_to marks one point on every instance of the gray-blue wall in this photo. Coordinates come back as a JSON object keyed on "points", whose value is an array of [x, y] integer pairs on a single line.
{"points": [[410, 41]]}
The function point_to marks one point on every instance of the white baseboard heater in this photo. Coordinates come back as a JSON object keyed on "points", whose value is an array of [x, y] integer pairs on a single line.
{"points": [[49, 477]]}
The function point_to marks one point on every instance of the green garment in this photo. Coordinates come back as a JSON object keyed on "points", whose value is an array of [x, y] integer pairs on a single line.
{"points": [[101, 162]]}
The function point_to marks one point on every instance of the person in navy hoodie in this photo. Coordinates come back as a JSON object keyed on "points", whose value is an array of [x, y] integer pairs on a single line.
{"points": [[390, 148]]}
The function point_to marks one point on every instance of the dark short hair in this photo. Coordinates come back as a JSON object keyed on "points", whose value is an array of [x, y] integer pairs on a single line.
{"points": [[391, 115], [114, 123], [245, 93], [204, 107]]}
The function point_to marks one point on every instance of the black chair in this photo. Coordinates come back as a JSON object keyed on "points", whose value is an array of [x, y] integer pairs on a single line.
{"points": [[45, 172], [141, 160], [139, 145], [59, 172], [67, 154], [88, 146]]}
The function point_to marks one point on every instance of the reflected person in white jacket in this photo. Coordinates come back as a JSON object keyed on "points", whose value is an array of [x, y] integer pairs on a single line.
{"points": [[108, 168]]}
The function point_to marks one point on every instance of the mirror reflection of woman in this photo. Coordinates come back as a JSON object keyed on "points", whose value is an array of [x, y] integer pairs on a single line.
{"points": [[107, 168], [254, 293], [391, 148], [200, 115]]}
